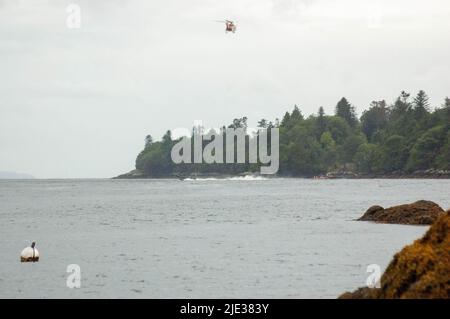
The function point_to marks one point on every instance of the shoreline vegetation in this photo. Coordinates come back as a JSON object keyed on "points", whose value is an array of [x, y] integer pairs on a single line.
{"points": [[406, 139], [423, 174]]}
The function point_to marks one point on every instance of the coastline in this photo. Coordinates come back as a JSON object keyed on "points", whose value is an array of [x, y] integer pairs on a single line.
{"points": [[420, 269], [423, 174]]}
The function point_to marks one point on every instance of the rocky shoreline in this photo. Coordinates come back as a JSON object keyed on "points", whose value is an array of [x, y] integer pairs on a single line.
{"points": [[429, 173], [419, 271], [136, 174], [424, 174]]}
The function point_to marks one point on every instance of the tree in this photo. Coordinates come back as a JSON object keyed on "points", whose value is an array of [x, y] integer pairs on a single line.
{"points": [[167, 138], [263, 123], [321, 112], [348, 149], [390, 139], [374, 119], [296, 114], [400, 107], [443, 159], [327, 140], [426, 148], [446, 110], [286, 119], [239, 123], [303, 156], [447, 103], [329, 149], [421, 101], [395, 153], [290, 120], [346, 111], [421, 106], [338, 128], [155, 161], [368, 158], [148, 140], [321, 123], [402, 119]]}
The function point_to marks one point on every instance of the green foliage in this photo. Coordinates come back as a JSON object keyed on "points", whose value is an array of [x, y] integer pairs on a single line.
{"points": [[374, 119], [421, 102], [148, 140], [368, 158], [155, 160], [349, 148], [263, 123], [394, 153], [402, 137], [442, 161], [345, 110], [329, 154], [426, 149]]}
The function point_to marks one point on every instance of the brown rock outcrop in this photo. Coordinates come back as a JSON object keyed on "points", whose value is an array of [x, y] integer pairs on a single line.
{"points": [[420, 270], [421, 212]]}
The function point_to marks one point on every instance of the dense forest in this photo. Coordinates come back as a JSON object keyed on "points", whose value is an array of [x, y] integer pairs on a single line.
{"points": [[401, 138]]}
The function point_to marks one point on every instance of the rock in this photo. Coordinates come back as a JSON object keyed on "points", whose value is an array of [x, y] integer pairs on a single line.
{"points": [[134, 174], [420, 270], [342, 174], [419, 213], [360, 293], [430, 173], [372, 213]]}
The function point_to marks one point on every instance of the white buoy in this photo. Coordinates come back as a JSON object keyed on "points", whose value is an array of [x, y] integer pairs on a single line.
{"points": [[29, 254]]}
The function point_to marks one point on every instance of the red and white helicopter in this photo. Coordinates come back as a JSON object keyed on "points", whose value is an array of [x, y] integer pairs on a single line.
{"points": [[230, 26]]}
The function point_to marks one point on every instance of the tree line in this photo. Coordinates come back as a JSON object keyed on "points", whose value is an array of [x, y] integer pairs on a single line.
{"points": [[399, 138]]}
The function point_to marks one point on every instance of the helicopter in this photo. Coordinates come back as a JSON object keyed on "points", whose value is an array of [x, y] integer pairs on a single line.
{"points": [[230, 26]]}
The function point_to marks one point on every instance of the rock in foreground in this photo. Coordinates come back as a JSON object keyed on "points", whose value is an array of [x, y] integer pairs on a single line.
{"points": [[420, 270], [419, 213]]}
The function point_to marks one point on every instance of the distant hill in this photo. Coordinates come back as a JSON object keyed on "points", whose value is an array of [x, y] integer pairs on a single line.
{"points": [[14, 175]]}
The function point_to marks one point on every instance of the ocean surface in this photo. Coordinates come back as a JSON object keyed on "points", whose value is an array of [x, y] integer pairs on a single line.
{"points": [[233, 238]]}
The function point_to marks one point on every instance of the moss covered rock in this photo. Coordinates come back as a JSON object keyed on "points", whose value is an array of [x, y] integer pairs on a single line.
{"points": [[421, 212], [420, 270]]}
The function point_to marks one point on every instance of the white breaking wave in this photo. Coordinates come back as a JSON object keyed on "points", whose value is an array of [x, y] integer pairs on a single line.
{"points": [[235, 178], [248, 178]]}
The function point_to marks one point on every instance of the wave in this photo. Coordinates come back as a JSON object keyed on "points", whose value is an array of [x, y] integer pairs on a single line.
{"points": [[234, 178]]}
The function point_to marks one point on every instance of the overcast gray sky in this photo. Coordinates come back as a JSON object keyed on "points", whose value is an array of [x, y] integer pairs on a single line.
{"points": [[79, 102]]}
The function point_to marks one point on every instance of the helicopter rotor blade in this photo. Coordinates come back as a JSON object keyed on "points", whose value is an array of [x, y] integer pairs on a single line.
{"points": [[225, 21]]}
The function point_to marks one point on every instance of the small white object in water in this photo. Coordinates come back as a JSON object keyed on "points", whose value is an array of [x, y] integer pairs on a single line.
{"points": [[29, 254]]}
